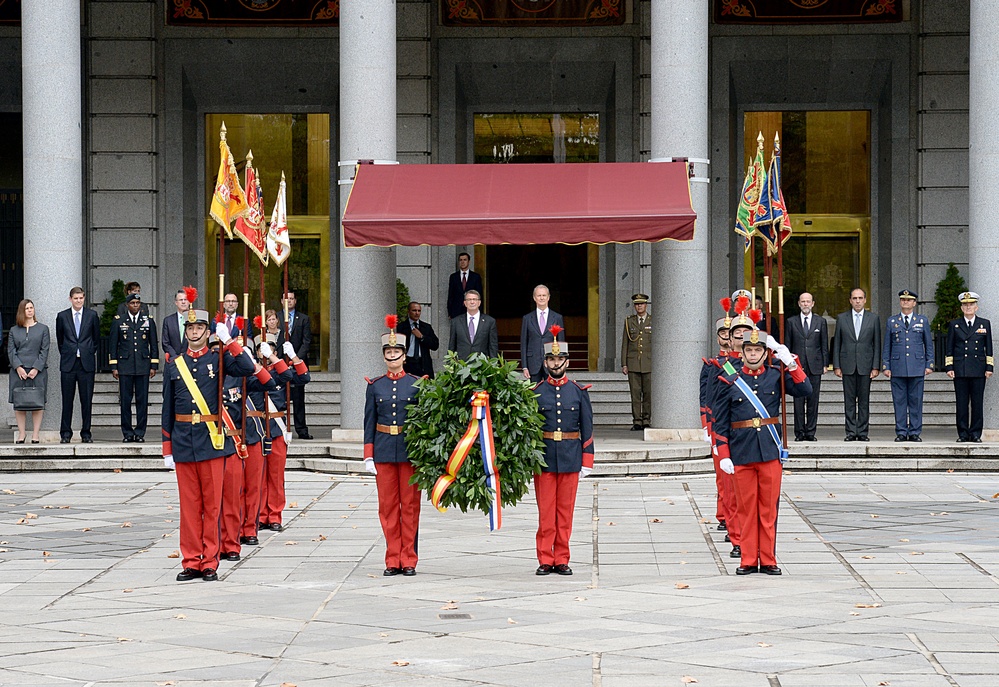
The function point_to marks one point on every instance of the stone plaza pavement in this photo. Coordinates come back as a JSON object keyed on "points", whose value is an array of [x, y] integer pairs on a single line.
{"points": [[889, 579]]}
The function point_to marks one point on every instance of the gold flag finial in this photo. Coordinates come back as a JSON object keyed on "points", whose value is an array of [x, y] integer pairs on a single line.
{"points": [[282, 175], [776, 141], [759, 140], [249, 158], [222, 131]]}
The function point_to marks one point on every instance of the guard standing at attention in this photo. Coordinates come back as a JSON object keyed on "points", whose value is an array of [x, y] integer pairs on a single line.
{"points": [[747, 416], [969, 363], [636, 361], [385, 404], [134, 361], [193, 437], [907, 357], [568, 435]]}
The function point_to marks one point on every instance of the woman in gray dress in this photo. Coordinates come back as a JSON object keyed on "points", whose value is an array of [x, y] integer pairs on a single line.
{"points": [[28, 350]]}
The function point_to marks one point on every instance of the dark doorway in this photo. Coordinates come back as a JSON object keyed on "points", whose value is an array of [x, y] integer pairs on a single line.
{"points": [[11, 225]]}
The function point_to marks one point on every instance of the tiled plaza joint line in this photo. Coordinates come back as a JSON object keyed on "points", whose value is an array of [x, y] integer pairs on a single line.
{"points": [[704, 530], [931, 658], [967, 559], [594, 525]]}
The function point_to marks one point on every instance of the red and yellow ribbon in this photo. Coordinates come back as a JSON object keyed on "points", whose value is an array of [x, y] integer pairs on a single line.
{"points": [[479, 426]]}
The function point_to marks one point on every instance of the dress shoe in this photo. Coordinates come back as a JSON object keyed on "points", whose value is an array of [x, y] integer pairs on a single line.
{"points": [[128, 440], [87, 440], [272, 526], [976, 440], [799, 437], [811, 438], [249, 541], [770, 570], [863, 438], [543, 569], [391, 572], [915, 437], [746, 570], [64, 440], [736, 552], [961, 440], [851, 437], [636, 428], [900, 437], [646, 426], [209, 575], [722, 526], [409, 571], [19, 441], [305, 435], [35, 441], [728, 539], [188, 574], [140, 440], [563, 569], [231, 556]]}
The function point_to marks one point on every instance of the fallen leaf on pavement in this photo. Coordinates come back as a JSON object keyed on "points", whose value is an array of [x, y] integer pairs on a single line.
{"points": [[763, 644], [383, 634], [703, 520], [901, 572], [344, 516], [9, 491], [31, 516], [683, 562], [374, 576], [4, 550], [885, 683], [655, 520], [867, 558], [351, 505], [874, 515], [117, 470], [288, 684], [48, 507], [450, 607], [127, 591], [293, 504], [686, 679], [166, 684], [682, 585], [580, 598], [950, 470], [511, 621], [867, 605], [830, 495], [903, 540], [291, 543], [400, 663], [85, 529], [915, 553], [173, 554], [611, 524], [180, 616], [46, 553], [321, 537], [854, 613], [126, 524], [124, 639]]}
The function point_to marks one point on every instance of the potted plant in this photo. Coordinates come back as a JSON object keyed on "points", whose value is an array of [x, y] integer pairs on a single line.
{"points": [[116, 296], [948, 308]]}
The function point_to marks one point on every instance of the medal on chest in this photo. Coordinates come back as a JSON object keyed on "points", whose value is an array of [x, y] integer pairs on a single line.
{"points": [[211, 372]]}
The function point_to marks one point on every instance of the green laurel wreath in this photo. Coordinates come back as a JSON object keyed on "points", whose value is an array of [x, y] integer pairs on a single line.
{"points": [[440, 417]]}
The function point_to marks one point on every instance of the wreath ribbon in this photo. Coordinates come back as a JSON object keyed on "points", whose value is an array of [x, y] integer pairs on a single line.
{"points": [[479, 426]]}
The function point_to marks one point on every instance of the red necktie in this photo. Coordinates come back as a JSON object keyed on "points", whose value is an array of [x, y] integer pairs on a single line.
{"points": [[464, 281]]}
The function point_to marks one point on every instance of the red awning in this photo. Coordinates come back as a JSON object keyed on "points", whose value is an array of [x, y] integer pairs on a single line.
{"points": [[440, 205]]}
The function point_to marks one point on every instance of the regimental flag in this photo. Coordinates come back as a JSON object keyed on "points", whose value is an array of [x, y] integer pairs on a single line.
{"points": [[278, 243], [750, 215], [228, 200], [251, 227], [778, 208]]}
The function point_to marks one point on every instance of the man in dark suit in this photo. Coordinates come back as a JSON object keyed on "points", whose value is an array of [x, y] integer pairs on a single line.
{"points": [[462, 281], [421, 340], [300, 336], [134, 361], [174, 340], [78, 331], [857, 359], [969, 363], [474, 331], [808, 338], [768, 324], [535, 333]]}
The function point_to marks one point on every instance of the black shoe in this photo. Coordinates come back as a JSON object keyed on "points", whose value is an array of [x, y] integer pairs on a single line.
{"points": [[900, 437], [35, 441], [139, 439], [722, 526], [249, 541], [209, 575], [391, 572], [849, 437], [736, 552], [563, 569], [864, 438], [188, 574], [770, 570], [961, 440], [646, 425], [305, 435], [976, 440], [543, 569], [915, 437], [728, 539], [811, 438], [64, 440], [799, 437], [272, 526], [21, 441], [231, 556], [636, 428], [746, 570], [88, 440], [409, 571], [128, 440]]}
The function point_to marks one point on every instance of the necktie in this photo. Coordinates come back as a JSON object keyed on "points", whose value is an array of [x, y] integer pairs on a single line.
{"points": [[858, 319], [414, 343], [464, 280], [807, 318], [229, 323], [970, 324], [906, 321], [77, 318], [542, 322], [471, 329]]}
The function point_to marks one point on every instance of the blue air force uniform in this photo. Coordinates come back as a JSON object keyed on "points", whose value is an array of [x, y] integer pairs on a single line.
{"points": [[907, 353], [969, 358], [134, 356]]}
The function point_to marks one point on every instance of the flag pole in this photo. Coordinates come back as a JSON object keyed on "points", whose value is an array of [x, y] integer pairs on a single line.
{"points": [[221, 295], [287, 337]]}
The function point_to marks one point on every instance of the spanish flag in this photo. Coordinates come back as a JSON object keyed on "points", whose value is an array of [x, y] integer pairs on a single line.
{"points": [[228, 200]]}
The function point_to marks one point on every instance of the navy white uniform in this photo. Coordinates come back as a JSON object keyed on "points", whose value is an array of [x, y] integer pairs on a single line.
{"points": [[134, 354], [969, 357], [907, 352]]}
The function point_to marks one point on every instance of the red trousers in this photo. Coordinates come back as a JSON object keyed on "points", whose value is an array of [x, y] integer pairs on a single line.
{"points": [[200, 488], [556, 495], [757, 489], [727, 507], [253, 478], [272, 499], [232, 503], [399, 512]]}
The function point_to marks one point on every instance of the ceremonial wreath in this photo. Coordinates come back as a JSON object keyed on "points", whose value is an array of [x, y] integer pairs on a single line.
{"points": [[453, 413]]}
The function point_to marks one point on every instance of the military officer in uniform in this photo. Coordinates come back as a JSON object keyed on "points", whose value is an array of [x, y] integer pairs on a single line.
{"points": [[134, 362], [907, 357], [969, 363], [568, 435], [636, 361], [385, 402], [747, 422], [193, 439]]}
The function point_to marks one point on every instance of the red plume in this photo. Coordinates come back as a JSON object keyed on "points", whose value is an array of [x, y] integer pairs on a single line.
{"points": [[191, 294], [391, 321], [741, 304], [555, 330], [258, 322], [219, 316], [726, 304], [756, 315], [240, 323]]}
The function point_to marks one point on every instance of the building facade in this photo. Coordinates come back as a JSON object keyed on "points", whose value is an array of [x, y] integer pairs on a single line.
{"points": [[114, 108]]}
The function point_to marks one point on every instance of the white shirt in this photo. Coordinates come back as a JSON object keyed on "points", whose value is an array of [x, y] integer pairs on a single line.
{"points": [[805, 319], [539, 313], [474, 319]]}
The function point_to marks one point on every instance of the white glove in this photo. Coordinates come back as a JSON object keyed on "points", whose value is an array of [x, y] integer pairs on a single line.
{"points": [[287, 437], [772, 343], [266, 350], [585, 471], [248, 351], [288, 349], [222, 332], [726, 465], [706, 436], [168, 462], [784, 355], [369, 465]]}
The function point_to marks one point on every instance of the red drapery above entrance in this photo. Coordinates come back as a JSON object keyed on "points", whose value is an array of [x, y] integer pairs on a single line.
{"points": [[440, 205]]}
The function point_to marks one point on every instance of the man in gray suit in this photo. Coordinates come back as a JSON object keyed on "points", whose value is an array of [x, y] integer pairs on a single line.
{"points": [[474, 331], [857, 359], [535, 333], [807, 336]]}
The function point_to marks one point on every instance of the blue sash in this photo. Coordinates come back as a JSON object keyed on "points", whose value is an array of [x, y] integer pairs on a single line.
{"points": [[751, 396]]}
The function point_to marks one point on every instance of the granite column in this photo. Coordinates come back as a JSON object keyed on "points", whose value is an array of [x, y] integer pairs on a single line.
{"points": [[367, 132], [680, 296]]}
